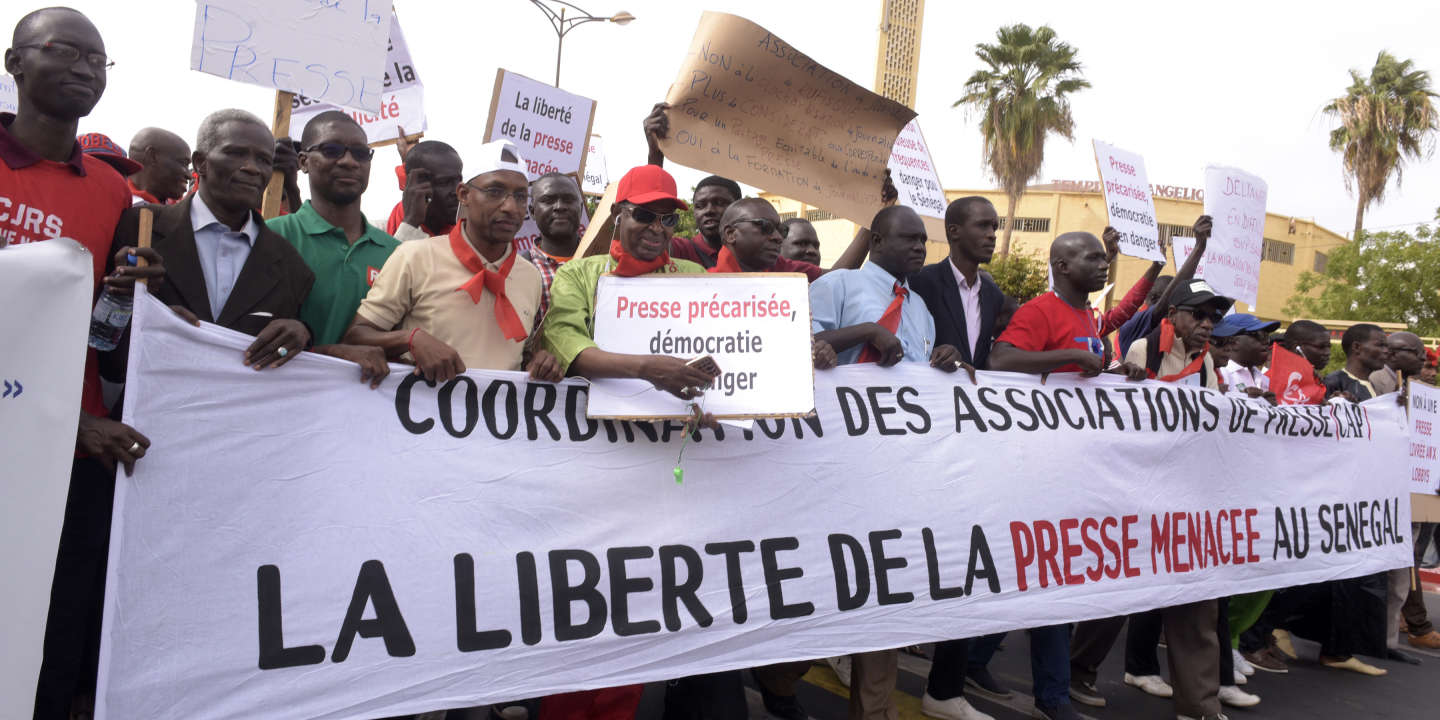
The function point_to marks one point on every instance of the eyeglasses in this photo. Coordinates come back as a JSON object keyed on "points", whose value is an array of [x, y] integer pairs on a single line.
{"points": [[1200, 313], [498, 194], [763, 225], [645, 217], [65, 52], [335, 151]]}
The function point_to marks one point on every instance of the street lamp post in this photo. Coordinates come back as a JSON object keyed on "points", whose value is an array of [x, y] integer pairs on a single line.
{"points": [[555, 12]]}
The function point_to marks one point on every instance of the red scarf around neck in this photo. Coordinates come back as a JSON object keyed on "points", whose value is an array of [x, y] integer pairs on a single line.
{"points": [[627, 265], [144, 195], [487, 279], [725, 262], [1167, 341]]}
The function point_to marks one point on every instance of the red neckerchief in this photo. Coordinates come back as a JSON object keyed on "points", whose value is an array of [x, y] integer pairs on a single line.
{"points": [[1167, 341], [143, 195], [487, 279], [725, 262], [627, 265]]}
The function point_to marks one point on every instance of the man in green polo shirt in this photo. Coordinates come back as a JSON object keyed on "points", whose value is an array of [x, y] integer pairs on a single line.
{"points": [[343, 250]]}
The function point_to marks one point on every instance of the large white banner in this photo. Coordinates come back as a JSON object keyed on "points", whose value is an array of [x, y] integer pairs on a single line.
{"points": [[1128, 202], [402, 104], [45, 288], [1236, 200], [330, 51], [296, 545]]}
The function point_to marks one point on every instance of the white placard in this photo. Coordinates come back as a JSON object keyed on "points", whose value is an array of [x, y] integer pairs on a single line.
{"points": [[912, 169], [551, 127], [1424, 445], [402, 102], [1236, 201], [529, 550], [597, 176], [1183, 247], [327, 50], [9, 94], [755, 325], [1128, 202], [41, 376]]}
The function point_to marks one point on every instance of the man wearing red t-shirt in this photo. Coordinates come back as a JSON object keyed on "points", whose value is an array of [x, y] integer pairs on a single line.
{"points": [[50, 189]]}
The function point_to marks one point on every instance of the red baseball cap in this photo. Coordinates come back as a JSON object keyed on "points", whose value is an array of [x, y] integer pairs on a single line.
{"points": [[647, 184], [103, 148]]}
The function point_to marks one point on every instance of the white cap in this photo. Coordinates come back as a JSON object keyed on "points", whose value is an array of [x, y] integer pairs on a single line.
{"points": [[493, 156]]}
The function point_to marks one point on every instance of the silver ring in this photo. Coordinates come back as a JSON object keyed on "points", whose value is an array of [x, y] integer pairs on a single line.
{"points": [[135, 446], [283, 352]]}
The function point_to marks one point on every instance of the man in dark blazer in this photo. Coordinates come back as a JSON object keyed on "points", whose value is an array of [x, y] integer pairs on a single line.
{"points": [[223, 265], [964, 300]]}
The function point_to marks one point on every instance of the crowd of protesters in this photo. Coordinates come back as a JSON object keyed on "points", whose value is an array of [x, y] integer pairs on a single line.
{"points": [[445, 287]]}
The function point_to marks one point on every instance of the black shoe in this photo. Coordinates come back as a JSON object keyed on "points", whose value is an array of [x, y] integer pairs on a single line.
{"points": [[1393, 654], [780, 706], [985, 685], [1059, 712]]}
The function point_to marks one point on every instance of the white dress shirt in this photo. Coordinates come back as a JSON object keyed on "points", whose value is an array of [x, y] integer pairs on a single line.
{"points": [[970, 299]]}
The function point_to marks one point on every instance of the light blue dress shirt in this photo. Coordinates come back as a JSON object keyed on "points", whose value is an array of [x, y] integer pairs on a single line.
{"points": [[842, 298], [222, 251]]}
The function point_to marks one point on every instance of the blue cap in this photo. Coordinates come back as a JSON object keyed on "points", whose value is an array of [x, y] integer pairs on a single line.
{"points": [[1236, 323]]}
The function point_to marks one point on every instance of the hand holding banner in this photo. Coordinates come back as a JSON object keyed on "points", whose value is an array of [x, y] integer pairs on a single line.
{"points": [[749, 106]]}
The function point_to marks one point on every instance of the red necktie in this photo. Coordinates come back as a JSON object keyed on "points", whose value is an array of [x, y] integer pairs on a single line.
{"points": [[486, 279], [890, 320]]}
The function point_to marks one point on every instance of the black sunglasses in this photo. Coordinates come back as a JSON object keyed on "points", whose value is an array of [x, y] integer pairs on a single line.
{"points": [[1213, 315], [335, 151], [645, 217], [763, 225]]}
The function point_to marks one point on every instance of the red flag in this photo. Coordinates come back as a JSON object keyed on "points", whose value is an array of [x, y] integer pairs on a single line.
{"points": [[1292, 378]]}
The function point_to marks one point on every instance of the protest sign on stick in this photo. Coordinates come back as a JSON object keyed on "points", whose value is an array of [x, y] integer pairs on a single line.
{"points": [[1424, 446], [279, 127], [551, 127], [597, 176], [331, 52], [402, 101], [41, 368], [912, 169], [751, 107], [1236, 200], [1128, 202], [755, 325]]}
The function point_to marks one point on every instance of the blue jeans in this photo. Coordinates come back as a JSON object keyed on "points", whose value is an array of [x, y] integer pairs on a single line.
{"points": [[1049, 662]]}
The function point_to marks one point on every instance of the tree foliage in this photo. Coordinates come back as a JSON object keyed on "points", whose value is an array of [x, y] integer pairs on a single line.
{"points": [[1382, 277], [1021, 276], [1384, 119], [1022, 95]]}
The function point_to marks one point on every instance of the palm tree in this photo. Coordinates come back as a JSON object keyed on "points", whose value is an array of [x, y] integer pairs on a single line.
{"points": [[1022, 95], [1384, 120]]}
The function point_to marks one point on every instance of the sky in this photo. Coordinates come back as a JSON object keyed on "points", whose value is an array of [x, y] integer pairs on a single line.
{"points": [[1184, 85]]}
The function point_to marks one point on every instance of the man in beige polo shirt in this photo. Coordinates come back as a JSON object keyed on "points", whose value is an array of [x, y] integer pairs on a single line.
{"points": [[463, 300]]}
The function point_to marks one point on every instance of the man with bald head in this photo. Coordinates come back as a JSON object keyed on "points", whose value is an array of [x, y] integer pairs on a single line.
{"points": [[1406, 360], [166, 173], [750, 233], [58, 60]]}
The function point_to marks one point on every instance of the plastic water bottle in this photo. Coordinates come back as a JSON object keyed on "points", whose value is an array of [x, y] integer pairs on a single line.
{"points": [[108, 321]]}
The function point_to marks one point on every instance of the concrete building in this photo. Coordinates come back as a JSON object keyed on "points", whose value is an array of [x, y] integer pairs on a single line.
{"points": [[1292, 244]]}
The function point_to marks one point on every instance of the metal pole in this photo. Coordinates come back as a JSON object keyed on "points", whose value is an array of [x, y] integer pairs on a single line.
{"points": [[559, 45]]}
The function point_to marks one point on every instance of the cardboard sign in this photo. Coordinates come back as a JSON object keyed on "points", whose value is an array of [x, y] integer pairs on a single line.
{"points": [[1424, 447], [597, 176], [755, 325], [913, 172], [41, 369], [402, 102], [1128, 201], [751, 107], [1236, 200], [333, 52], [551, 127]]}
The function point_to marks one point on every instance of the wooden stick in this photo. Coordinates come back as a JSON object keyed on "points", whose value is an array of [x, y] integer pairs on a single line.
{"points": [[270, 206], [147, 223]]}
